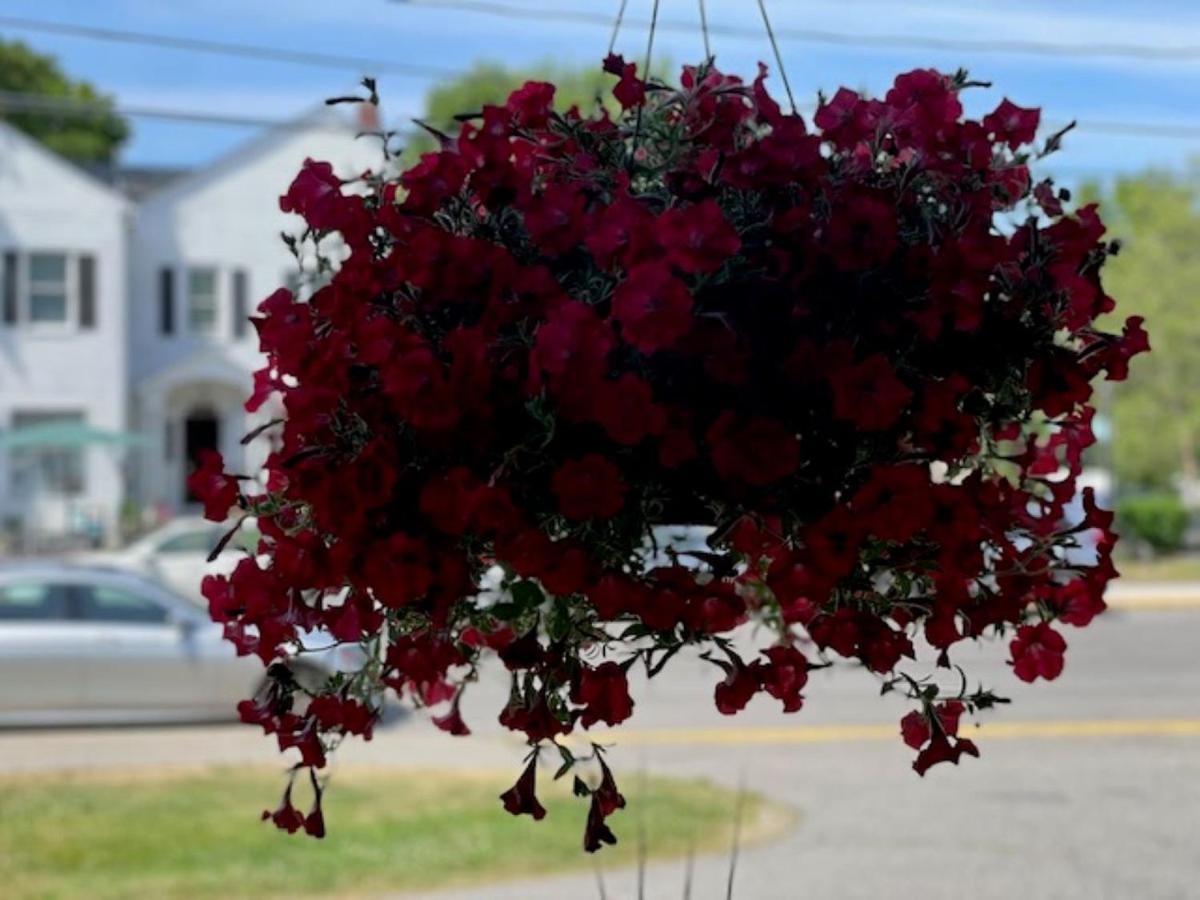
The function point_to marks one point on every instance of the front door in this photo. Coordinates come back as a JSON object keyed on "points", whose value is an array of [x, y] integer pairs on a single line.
{"points": [[201, 432]]}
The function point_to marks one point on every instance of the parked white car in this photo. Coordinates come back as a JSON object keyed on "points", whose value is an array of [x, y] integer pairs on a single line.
{"points": [[177, 554], [93, 645]]}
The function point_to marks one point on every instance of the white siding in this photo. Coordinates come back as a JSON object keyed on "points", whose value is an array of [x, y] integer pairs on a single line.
{"points": [[48, 205], [124, 374], [227, 218]]}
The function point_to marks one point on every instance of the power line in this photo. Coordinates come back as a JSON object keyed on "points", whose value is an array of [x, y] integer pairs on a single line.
{"points": [[68, 106], [60, 106], [358, 64], [63, 106], [1138, 129], [1178, 53]]}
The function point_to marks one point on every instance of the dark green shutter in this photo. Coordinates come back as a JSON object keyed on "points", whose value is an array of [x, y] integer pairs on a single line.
{"points": [[9, 288], [166, 301], [87, 291], [240, 308]]}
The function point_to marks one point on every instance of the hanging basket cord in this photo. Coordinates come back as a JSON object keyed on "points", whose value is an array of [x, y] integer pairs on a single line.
{"points": [[787, 86], [637, 131], [708, 54], [612, 42]]}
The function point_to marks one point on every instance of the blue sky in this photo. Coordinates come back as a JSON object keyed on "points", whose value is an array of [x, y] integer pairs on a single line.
{"points": [[1084, 88]]}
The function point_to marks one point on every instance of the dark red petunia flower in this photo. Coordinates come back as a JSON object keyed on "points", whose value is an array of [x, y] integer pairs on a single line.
{"points": [[531, 104], [653, 308], [1037, 652], [697, 238], [737, 688], [217, 491], [521, 798], [784, 675], [1013, 125], [756, 451], [451, 721], [316, 194], [943, 749], [870, 395], [597, 832], [588, 488], [626, 409], [630, 90], [610, 798], [603, 692]]}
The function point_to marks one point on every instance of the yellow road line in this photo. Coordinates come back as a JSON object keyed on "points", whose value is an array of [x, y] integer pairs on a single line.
{"points": [[1135, 603], [821, 734]]}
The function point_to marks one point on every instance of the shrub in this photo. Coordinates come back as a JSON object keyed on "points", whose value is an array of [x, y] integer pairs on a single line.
{"points": [[1158, 520]]}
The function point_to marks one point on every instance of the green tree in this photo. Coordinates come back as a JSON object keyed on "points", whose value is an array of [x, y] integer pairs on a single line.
{"points": [[1156, 413], [491, 83], [89, 136]]}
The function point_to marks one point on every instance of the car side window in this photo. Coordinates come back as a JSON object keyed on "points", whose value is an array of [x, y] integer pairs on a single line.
{"points": [[101, 603], [32, 601], [201, 541]]}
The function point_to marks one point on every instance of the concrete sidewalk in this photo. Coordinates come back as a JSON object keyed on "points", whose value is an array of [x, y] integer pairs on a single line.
{"points": [[1151, 596]]}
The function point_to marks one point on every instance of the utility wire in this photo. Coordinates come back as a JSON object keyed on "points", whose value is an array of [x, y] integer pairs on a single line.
{"points": [[65, 106], [15, 101], [1176, 53], [359, 64]]}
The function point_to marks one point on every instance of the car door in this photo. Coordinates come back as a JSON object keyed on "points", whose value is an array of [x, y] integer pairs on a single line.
{"points": [[41, 668], [143, 654], [181, 560]]}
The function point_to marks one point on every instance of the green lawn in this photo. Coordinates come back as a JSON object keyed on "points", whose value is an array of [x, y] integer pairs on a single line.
{"points": [[197, 834]]}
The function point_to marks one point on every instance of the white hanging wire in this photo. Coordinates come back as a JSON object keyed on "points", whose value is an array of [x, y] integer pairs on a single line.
{"points": [[612, 42], [762, 8]]}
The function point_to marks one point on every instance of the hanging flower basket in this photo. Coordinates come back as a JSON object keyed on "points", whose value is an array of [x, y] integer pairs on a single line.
{"points": [[859, 351]]}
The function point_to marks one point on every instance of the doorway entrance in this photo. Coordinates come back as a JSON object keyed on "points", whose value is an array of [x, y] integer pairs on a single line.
{"points": [[201, 432]]}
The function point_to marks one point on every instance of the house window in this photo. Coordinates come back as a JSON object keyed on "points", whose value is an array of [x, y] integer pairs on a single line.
{"points": [[56, 469], [47, 288], [202, 301]]}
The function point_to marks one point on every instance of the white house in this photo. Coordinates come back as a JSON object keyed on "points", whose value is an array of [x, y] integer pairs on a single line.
{"points": [[64, 356], [145, 330]]}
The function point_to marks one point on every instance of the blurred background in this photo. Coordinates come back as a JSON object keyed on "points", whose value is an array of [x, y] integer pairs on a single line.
{"points": [[143, 147]]}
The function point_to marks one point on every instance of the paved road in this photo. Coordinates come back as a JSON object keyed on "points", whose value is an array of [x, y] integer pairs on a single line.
{"points": [[1088, 787]]}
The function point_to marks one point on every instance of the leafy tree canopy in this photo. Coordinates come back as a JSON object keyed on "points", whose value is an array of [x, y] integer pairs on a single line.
{"points": [[491, 83], [86, 136], [1156, 414]]}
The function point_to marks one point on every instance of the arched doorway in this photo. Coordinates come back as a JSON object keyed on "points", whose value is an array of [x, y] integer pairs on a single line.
{"points": [[201, 432]]}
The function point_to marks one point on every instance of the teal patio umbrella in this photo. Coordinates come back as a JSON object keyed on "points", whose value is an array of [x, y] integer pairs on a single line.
{"points": [[65, 435]]}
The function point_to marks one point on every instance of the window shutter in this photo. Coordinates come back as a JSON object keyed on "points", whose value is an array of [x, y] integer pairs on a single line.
{"points": [[9, 288], [166, 301], [87, 291], [240, 311]]}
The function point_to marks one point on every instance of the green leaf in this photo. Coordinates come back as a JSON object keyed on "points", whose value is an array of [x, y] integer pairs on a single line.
{"points": [[527, 595]]}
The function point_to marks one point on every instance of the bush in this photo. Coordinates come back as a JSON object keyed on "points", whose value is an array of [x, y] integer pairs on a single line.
{"points": [[1158, 520]]}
